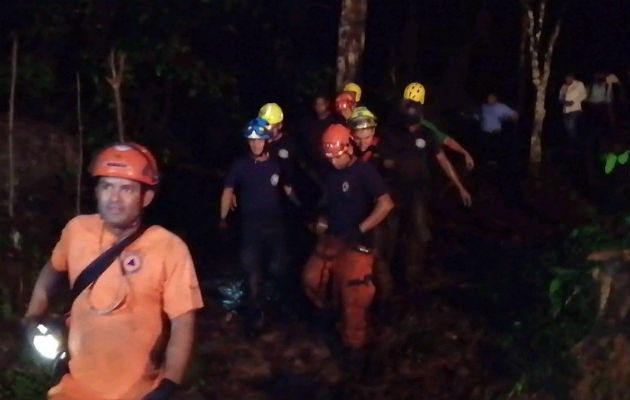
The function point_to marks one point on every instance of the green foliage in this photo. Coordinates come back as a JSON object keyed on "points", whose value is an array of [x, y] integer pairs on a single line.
{"points": [[612, 160], [193, 67], [555, 307], [25, 381]]}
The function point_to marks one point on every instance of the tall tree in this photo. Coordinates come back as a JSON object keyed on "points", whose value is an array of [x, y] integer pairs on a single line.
{"points": [[351, 40], [540, 55], [14, 55]]}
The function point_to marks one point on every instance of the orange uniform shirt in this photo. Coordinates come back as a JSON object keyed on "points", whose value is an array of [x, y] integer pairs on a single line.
{"points": [[117, 326]]}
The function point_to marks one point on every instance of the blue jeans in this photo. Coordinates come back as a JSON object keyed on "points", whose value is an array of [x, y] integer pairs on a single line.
{"points": [[570, 121]]}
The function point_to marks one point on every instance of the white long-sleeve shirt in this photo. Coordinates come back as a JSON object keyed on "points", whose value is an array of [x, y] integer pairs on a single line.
{"points": [[575, 92]]}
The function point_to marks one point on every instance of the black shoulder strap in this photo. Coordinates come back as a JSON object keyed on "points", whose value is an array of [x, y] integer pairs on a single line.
{"points": [[99, 265]]}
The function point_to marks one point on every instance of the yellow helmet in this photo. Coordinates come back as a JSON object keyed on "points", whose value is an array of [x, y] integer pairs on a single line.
{"points": [[272, 113], [414, 92], [354, 88], [361, 118]]}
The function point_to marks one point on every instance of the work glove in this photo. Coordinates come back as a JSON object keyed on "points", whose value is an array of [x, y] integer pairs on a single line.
{"points": [[163, 391]]}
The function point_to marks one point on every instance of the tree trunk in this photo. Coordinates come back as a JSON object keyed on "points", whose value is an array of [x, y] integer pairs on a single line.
{"points": [[351, 40], [522, 68], [535, 152], [11, 194], [540, 57]]}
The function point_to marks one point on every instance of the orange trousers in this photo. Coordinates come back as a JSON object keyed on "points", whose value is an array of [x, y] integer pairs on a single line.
{"points": [[340, 276], [69, 389]]}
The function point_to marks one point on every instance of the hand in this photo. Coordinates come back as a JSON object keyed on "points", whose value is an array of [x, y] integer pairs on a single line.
{"points": [[28, 328], [163, 391], [320, 226], [465, 196], [233, 203], [470, 163]]}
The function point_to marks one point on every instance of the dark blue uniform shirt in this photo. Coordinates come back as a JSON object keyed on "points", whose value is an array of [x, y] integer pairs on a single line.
{"points": [[259, 185], [352, 193]]}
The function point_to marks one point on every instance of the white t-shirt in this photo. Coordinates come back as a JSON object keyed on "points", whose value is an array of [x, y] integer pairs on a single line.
{"points": [[575, 92]]}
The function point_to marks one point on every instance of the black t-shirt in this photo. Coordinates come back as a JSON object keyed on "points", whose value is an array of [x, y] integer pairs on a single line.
{"points": [[284, 150], [376, 154], [259, 185], [311, 138], [411, 152], [351, 193]]}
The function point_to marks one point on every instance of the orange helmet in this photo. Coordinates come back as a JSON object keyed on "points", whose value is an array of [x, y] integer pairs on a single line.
{"points": [[127, 160], [345, 101], [336, 140]]}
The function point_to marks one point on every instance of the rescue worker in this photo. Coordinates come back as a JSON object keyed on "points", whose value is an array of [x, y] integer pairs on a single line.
{"points": [[413, 145], [257, 181], [280, 145], [362, 124], [358, 200], [312, 129], [413, 102], [116, 325], [370, 148], [344, 104], [353, 88]]}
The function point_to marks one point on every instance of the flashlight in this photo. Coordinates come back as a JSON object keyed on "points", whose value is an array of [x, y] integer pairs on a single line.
{"points": [[47, 344]]}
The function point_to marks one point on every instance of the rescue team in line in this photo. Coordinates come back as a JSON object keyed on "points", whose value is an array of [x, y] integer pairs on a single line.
{"points": [[130, 331]]}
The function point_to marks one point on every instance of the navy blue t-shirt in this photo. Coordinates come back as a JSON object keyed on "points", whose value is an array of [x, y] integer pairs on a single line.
{"points": [[259, 185], [352, 192], [284, 150]]}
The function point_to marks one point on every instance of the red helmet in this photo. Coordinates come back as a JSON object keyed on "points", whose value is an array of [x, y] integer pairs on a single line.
{"points": [[336, 140], [345, 101], [127, 160]]}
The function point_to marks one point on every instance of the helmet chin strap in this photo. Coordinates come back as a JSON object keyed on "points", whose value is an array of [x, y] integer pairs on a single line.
{"points": [[263, 154]]}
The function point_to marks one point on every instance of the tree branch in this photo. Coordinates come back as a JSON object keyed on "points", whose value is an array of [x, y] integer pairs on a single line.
{"points": [[541, 21], [116, 81], [549, 53]]}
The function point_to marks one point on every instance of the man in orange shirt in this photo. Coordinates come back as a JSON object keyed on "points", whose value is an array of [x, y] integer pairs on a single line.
{"points": [[118, 345]]}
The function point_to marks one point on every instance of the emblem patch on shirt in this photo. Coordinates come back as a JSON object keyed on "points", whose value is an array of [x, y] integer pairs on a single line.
{"points": [[132, 262], [283, 153], [345, 186], [274, 179], [421, 143]]}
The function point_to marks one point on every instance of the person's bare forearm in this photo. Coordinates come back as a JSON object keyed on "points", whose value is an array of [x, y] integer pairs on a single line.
{"points": [[449, 171], [384, 205], [179, 346], [47, 282], [456, 147], [226, 202]]}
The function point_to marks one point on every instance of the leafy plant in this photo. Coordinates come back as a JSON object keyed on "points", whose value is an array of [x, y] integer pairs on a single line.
{"points": [[24, 382], [612, 160]]}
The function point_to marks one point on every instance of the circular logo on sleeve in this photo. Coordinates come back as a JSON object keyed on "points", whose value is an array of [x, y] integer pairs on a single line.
{"points": [[345, 186], [421, 143], [274, 179], [283, 153], [132, 262]]}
